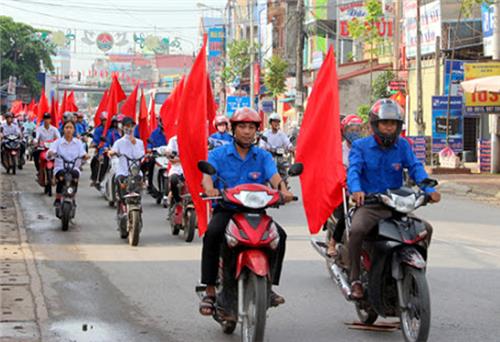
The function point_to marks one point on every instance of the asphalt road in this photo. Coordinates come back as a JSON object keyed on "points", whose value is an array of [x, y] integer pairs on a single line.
{"points": [[91, 277]]}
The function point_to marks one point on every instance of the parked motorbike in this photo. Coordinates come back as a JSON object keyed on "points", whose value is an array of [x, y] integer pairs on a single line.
{"points": [[182, 215], [393, 264], [244, 284], [160, 177], [46, 167], [129, 213], [11, 146], [66, 210]]}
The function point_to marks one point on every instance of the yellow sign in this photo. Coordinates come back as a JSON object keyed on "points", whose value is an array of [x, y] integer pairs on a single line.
{"points": [[483, 98]]}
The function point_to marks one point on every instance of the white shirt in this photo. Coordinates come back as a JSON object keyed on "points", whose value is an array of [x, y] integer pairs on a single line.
{"points": [[46, 134], [345, 154], [69, 150], [125, 147], [12, 129], [172, 146], [275, 140]]}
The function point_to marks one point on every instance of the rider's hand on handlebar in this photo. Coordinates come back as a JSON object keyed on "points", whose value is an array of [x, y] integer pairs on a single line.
{"points": [[359, 198], [434, 197], [212, 192], [286, 195]]}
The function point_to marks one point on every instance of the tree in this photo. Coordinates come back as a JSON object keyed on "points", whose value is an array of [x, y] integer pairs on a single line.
{"points": [[367, 31], [239, 61], [379, 86], [363, 111], [23, 55], [275, 78]]}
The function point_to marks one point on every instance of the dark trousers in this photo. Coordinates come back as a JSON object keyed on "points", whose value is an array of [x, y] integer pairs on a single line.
{"points": [[340, 227], [174, 186], [214, 237], [149, 167], [60, 180], [97, 174], [363, 221], [36, 159]]}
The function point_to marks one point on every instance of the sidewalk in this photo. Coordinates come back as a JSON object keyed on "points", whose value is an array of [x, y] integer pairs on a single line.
{"points": [[19, 310], [484, 186]]}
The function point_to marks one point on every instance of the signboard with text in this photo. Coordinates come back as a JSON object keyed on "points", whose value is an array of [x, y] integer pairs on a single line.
{"points": [[356, 10], [455, 124], [430, 27], [481, 102], [488, 24], [456, 69], [235, 102]]}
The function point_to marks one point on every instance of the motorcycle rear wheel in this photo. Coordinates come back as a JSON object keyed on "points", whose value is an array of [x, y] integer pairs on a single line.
{"points": [[65, 215], [416, 318], [135, 223], [191, 224], [255, 306]]}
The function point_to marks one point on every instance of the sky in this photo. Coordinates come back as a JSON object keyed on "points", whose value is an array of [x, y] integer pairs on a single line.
{"points": [[163, 18]]}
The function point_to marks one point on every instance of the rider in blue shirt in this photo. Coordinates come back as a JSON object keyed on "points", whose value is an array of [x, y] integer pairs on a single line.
{"points": [[221, 137], [113, 133], [238, 163], [156, 139], [376, 164], [97, 174]]}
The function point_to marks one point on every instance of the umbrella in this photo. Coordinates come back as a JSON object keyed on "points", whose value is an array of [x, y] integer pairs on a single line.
{"points": [[491, 84]]}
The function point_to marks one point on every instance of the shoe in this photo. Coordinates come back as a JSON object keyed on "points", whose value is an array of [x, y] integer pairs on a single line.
{"points": [[92, 183], [276, 299], [357, 290], [332, 249], [57, 202]]}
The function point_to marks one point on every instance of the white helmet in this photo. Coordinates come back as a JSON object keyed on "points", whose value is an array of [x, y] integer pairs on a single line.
{"points": [[274, 117]]}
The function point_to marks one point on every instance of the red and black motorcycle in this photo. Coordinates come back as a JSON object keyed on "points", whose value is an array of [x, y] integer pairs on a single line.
{"points": [[46, 167], [251, 239]]}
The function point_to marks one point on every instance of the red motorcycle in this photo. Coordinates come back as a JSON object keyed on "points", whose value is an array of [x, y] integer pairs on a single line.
{"points": [[182, 215], [251, 239], [46, 167]]}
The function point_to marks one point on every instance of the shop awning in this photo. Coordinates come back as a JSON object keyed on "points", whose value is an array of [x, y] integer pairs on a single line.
{"points": [[491, 84]]}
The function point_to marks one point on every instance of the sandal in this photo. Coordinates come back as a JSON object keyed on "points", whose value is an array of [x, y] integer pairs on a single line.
{"points": [[207, 306], [332, 250], [357, 290]]}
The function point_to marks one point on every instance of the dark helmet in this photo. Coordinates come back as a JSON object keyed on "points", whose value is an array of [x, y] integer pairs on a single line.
{"points": [[47, 116], [128, 121], [245, 114], [8, 115], [386, 109]]}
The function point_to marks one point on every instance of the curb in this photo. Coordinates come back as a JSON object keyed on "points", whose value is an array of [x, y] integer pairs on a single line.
{"points": [[451, 187]]}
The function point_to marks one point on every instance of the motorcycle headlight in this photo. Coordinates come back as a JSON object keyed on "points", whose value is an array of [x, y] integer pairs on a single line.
{"points": [[70, 190], [280, 151], [403, 204], [254, 199], [134, 171]]}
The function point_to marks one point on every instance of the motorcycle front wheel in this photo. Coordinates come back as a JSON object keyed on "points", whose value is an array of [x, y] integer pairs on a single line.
{"points": [[190, 226], [65, 215], [255, 307], [416, 315], [135, 222], [13, 163]]}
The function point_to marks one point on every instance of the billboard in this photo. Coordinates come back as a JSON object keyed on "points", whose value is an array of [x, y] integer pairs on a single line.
{"points": [[356, 10], [430, 26], [488, 24], [482, 102], [235, 102], [456, 123], [456, 69]]}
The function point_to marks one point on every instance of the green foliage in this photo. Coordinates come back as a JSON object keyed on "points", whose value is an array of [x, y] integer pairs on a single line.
{"points": [[468, 5], [363, 111], [379, 86], [275, 78], [367, 31], [238, 60], [22, 55]]}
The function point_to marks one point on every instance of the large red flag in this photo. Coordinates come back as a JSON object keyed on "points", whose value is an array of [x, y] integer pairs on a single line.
{"points": [[71, 103], [63, 108], [100, 109], [319, 145], [153, 124], [169, 111], [192, 131], [115, 85], [53, 111], [211, 108], [57, 115], [43, 107], [17, 107], [115, 95], [129, 107], [144, 130]]}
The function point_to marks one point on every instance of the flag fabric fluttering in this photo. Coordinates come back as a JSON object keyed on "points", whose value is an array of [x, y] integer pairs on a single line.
{"points": [[43, 107], [115, 95], [130, 105], [71, 103], [169, 111], [143, 121], [153, 124], [320, 144], [100, 108], [53, 111], [192, 131]]}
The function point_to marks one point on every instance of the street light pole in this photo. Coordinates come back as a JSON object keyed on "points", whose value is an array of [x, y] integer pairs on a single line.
{"points": [[252, 56]]}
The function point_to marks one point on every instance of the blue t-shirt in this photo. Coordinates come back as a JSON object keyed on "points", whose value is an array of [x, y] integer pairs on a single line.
{"points": [[157, 138], [258, 166], [373, 169], [112, 136], [222, 136]]}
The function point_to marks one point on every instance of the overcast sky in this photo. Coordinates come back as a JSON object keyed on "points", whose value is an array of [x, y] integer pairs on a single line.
{"points": [[170, 18]]}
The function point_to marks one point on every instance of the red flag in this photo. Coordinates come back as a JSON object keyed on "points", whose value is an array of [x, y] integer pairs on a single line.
{"points": [[53, 113], [100, 109], [17, 107], [57, 115], [34, 113], [320, 144], [115, 95], [143, 121], [129, 107], [211, 108], [31, 106], [63, 106], [192, 131], [43, 107], [169, 111], [153, 124], [115, 85], [71, 103]]}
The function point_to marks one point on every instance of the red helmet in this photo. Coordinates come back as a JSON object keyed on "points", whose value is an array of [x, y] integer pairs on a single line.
{"points": [[246, 114], [221, 119], [351, 119]]}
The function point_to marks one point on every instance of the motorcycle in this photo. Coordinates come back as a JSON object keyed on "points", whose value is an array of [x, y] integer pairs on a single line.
{"points": [[129, 213], [11, 146], [244, 282], [214, 143], [182, 215], [67, 208], [108, 184], [393, 264], [160, 176], [46, 167], [281, 158]]}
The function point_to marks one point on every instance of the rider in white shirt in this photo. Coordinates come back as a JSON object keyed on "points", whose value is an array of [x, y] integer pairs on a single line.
{"points": [[45, 132], [127, 146], [10, 127], [275, 138], [175, 174]]}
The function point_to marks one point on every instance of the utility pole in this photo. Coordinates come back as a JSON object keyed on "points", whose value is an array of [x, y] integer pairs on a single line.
{"points": [[299, 62], [437, 59], [252, 55], [397, 35], [495, 136], [418, 59]]}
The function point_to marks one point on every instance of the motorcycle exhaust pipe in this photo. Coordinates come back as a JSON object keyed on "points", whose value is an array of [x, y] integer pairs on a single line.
{"points": [[341, 280]]}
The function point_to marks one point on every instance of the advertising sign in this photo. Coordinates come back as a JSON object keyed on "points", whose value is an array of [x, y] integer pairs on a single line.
{"points": [[356, 10], [215, 48], [481, 102], [430, 26], [487, 18], [456, 69], [484, 147], [235, 102], [419, 146], [456, 123]]}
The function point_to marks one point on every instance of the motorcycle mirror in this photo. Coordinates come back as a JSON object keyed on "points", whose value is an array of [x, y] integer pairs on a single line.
{"points": [[429, 182], [296, 169], [263, 137], [206, 168]]}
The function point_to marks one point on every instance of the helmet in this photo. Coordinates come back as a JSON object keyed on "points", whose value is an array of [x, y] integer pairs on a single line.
{"points": [[221, 119], [47, 116], [386, 109], [127, 121], [104, 116], [350, 120], [8, 115], [274, 117], [67, 116], [246, 114], [79, 114], [115, 118]]}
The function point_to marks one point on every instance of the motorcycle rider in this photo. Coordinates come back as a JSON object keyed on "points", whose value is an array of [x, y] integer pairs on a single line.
{"points": [[176, 173], [351, 130], [28, 127], [81, 125], [156, 139], [97, 175], [238, 163], [10, 128], [45, 132], [69, 148], [275, 137], [221, 137], [113, 134], [375, 165]]}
